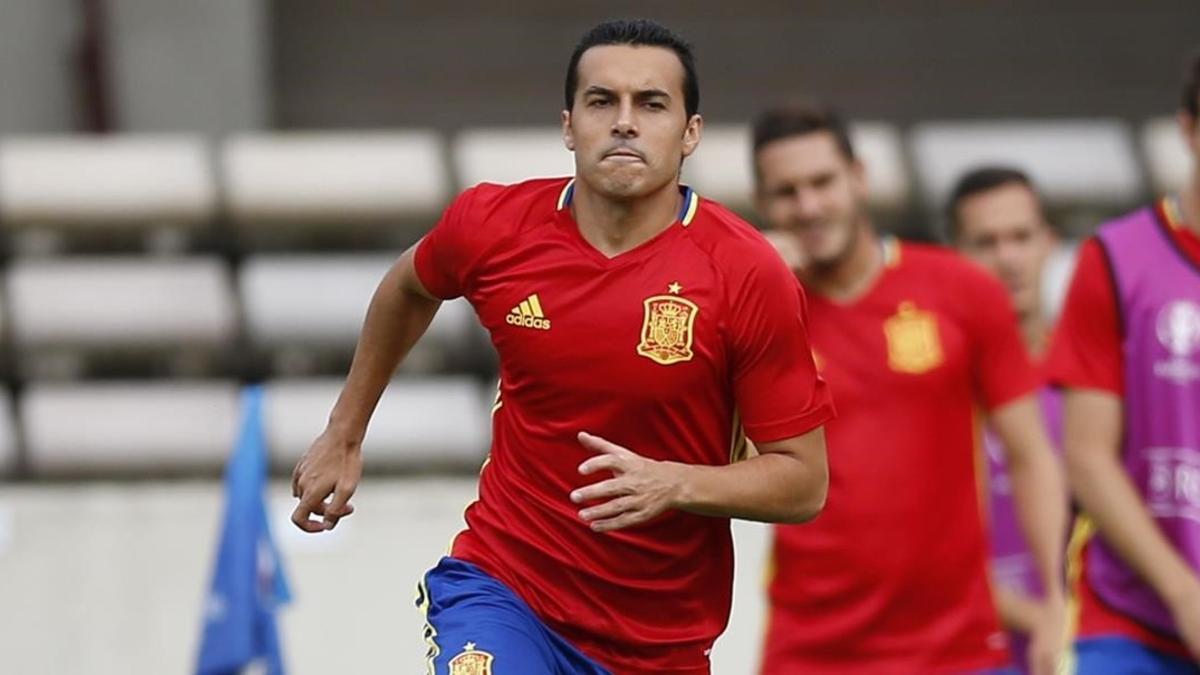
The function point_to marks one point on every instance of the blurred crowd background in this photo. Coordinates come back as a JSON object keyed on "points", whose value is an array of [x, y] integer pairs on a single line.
{"points": [[199, 195]]}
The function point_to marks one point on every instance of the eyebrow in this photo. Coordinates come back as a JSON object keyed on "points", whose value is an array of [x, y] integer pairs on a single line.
{"points": [[641, 95]]}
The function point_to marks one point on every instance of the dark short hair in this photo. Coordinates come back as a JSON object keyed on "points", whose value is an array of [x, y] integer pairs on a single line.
{"points": [[637, 32], [800, 120], [979, 180], [1190, 99]]}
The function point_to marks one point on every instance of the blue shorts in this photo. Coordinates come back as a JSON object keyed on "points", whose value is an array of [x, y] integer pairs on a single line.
{"points": [[1122, 656], [475, 624]]}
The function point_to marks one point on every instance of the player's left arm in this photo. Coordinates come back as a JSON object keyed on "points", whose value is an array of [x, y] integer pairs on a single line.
{"points": [[1008, 383], [786, 483], [1039, 490], [782, 402]]}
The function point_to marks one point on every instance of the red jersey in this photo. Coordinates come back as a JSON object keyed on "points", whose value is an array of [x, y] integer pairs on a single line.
{"points": [[659, 349], [1087, 354], [892, 577]]}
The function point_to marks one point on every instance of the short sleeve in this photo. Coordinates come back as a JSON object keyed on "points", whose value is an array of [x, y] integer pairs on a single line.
{"points": [[1086, 351], [1001, 364], [776, 386], [445, 257]]}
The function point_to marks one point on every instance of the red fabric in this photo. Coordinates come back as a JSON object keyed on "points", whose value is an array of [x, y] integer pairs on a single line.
{"points": [[892, 576], [653, 598], [1086, 352]]}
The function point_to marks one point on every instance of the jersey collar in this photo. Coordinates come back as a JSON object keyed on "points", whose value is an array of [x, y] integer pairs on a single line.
{"points": [[687, 211]]}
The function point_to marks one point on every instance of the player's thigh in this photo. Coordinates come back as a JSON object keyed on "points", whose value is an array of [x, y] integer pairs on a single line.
{"points": [[489, 648], [1121, 656], [476, 626]]}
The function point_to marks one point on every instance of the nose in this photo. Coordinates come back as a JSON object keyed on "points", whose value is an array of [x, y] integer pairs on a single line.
{"points": [[624, 126], [806, 204]]}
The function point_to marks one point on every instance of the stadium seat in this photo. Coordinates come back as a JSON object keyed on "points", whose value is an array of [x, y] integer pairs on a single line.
{"points": [[98, 184], [1073, 162], [419, 424], [1166, 155], [317, 303], [113, 304], [721, 168], [504, 156], [333, 179], [129, 427]]}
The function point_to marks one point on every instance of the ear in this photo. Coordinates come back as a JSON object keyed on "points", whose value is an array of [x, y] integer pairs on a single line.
{"points": [[568, 135], [858, 172], [691, 135], [1189, 126]]}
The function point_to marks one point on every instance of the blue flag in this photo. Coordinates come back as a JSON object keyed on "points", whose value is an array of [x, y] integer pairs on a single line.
{"points": [[248, 583]]}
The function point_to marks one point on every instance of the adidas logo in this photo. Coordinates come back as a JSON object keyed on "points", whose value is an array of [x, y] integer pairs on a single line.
{"points": [[529, 314]]}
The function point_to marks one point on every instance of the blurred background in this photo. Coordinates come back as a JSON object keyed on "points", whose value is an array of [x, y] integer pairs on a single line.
{"points": [[199, 195]]}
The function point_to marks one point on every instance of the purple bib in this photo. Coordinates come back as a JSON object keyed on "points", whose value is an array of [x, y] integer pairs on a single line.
{"points": [[1158, 293]]}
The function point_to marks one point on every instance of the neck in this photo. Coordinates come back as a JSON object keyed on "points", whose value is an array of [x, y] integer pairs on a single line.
{"points": [[616, 226], [848, 277], [1036, 333]]}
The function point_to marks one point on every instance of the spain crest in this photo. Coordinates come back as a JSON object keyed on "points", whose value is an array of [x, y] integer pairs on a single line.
{"points": [[471, 661], [667, 329], [914, 346]]}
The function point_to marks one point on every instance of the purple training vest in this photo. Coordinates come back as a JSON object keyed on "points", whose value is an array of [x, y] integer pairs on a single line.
{"points": [[1013, 566], [1158, 292]]}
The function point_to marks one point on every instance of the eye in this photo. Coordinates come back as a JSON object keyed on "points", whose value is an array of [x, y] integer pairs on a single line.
{"points": [[598, 102], [656, 105]]}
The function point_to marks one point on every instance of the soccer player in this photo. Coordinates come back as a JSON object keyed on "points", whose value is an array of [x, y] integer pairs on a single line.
{"points": [[892, 578], [1127, 353], [640, 329], [996, 219]]}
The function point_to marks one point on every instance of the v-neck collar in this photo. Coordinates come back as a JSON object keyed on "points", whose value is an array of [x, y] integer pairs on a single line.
{"points": [[687, 212]]}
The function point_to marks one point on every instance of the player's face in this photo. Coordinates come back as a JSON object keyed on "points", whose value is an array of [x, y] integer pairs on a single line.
{"points": [[1005, 231], [806, 186], [628, 127]]}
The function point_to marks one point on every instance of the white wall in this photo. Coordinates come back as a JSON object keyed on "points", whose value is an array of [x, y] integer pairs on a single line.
{"points": [[109, 578]]}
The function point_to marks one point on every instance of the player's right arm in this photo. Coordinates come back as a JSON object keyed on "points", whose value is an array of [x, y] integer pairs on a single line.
{"points": [[1086, 360], [397, 317], [437, 268]]}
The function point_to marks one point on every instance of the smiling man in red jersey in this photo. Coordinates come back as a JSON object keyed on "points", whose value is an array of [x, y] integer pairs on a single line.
{"points": [[640, 330], [914, 340], [1127, 353]]}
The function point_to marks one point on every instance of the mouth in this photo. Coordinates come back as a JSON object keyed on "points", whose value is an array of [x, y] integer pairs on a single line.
{"points": [[624, 155]]}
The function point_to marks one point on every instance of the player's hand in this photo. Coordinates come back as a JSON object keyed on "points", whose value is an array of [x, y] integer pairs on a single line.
{"points": [[640, 489], [332, 467], [1186, 612], [1047, 639]]}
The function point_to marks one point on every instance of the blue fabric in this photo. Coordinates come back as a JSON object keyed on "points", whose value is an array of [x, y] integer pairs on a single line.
{"points": [[473, 618], [248, 583], [1122, 656]]}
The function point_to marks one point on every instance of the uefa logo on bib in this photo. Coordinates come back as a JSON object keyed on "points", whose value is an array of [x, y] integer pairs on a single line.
{"points": [[1179, 331]]}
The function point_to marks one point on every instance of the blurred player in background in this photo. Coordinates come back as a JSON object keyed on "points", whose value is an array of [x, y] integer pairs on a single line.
{"points": [[640, 329], [996, 219], [892, 578], [1127, 352]]}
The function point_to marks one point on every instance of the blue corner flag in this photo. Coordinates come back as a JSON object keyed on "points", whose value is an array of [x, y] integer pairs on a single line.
{"points": [[248, 583]]}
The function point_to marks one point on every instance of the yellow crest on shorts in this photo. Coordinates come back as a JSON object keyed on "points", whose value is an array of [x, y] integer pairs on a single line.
{"points": [[914, 346], [471, 661], [667, 328]]}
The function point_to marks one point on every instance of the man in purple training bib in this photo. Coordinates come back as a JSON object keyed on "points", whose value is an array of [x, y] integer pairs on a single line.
{"points": [[1128, 354], [996, 219]]}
